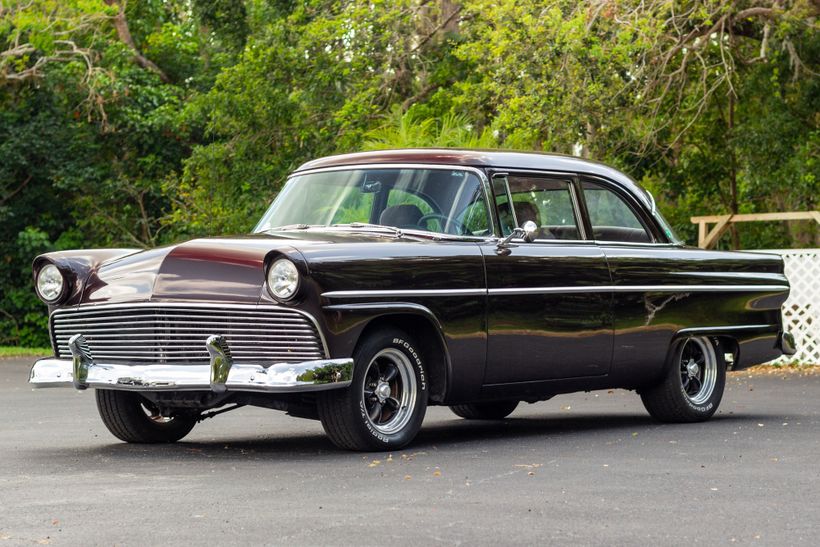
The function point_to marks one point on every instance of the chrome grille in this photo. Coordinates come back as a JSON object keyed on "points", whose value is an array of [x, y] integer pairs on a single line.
{"points": [[162, 333]]}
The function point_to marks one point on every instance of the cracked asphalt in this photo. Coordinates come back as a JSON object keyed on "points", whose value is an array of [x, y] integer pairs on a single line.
{"points": [[588, 469]]}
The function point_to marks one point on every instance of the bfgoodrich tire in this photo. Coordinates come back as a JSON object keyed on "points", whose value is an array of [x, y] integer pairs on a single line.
{"points": [[132, 418], [496, 410], [692, 387], [385, 404]]}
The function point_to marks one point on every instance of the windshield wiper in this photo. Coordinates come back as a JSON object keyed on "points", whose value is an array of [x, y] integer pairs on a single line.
{"points": [[375, 227], [292, 227]]}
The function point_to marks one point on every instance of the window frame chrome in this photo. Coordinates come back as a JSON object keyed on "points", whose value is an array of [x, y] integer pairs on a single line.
{"points": [[482, 177]]}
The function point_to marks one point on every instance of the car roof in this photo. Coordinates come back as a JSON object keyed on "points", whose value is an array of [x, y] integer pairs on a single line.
{"points": [[496, 159]]}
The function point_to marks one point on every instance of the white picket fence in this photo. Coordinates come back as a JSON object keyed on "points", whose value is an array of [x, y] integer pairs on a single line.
{"points": [[801, 311]]}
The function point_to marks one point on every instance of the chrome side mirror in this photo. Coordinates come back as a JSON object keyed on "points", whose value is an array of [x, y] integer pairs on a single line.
{"points": [[525, 232], [529, 228]]}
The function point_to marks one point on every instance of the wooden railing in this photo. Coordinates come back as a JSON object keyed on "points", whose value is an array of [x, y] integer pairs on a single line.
{"points": [[707, 238]]}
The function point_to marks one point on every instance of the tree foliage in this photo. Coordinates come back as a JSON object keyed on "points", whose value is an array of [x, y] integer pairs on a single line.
{"points": [[143, 123]]}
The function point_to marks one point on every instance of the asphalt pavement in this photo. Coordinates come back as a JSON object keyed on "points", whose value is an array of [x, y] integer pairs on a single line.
{"points": [[589, 469]]}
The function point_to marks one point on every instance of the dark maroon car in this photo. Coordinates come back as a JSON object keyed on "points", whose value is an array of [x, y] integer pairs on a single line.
{"points": [[379, 283]]}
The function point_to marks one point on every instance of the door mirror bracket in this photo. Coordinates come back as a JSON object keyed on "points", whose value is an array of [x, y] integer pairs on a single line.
{"points": [[525, 232]]}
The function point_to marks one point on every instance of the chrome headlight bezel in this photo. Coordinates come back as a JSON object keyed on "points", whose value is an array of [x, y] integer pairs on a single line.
{"points": [[45, 286], [283, 279]]}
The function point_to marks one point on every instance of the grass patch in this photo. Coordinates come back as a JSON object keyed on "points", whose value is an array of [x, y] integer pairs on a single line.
{"points": [[12, 351]]}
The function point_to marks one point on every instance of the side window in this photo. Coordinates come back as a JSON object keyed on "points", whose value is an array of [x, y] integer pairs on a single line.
{"points": [[548, 203], [611, 218]]}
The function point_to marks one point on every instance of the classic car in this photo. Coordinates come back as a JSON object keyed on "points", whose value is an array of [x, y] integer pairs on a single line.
{"points": [[379, 283]]}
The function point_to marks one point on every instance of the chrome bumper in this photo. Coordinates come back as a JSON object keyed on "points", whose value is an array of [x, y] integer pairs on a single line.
{"points": [[221, 375], [785, 343]]}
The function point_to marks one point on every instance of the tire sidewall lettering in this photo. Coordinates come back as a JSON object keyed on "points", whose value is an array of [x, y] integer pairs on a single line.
{"points": [[414, 356]]}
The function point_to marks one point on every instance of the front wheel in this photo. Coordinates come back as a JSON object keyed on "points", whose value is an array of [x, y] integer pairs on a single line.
{"points": [[692, 387], [385, 404], [134, 419]]}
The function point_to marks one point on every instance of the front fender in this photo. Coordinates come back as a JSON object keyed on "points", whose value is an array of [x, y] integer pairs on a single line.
{"points": [[347, 322]]}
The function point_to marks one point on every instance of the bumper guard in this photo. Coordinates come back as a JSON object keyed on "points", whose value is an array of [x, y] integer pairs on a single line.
{"points": [[221, 375]]}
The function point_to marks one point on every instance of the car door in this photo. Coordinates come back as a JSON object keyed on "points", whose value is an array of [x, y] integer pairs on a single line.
{"points": [[543, 322], [649, 277]]}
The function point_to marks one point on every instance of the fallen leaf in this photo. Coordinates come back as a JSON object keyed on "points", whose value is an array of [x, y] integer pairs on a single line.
{"points": [[437, 473], [407, 477]]}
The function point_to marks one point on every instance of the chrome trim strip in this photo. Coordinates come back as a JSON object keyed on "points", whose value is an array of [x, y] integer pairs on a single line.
{"points": [[205, 305], [277, 378], [580, 225], [393, 293], [725, 328], [548, 290], [640, 288]]}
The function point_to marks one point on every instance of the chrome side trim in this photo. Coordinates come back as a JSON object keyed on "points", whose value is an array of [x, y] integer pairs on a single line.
{"points": [[725, 328], [558, 290], [277, 378], [640, 288], [393, 293]]}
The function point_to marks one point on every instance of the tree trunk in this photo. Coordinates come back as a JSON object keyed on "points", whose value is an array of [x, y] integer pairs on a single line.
{"points": [[124, 34], [733, 205]]}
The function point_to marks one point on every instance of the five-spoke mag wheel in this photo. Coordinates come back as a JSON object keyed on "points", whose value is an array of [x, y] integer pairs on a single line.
{"points": [[385, 404], [389, 390], [692, 386], [698, 370]]}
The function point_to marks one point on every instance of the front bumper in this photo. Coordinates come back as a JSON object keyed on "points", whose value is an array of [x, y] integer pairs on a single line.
{"points": [[220, 375]]}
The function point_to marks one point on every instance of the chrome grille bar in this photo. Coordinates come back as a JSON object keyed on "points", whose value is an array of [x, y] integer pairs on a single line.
{"points": [[141, 333]]}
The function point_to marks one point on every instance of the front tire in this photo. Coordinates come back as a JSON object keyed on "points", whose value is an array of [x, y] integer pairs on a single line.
{"points": [[692, 388], [385, 404], [134, 419], [496, 410]]}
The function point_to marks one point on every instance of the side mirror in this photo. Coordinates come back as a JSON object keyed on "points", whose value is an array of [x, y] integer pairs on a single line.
{"points": [[525, 232], [529, 228]]}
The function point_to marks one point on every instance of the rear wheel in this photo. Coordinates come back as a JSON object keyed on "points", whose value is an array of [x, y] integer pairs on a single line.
{"points": [[496, 410], [693, 385], [385, 404], [134, 419]]}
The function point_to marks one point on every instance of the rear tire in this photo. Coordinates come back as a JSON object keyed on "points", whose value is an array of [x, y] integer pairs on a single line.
{"points": [[693, 385], [134, 419], [385, 404], [496, 410]]}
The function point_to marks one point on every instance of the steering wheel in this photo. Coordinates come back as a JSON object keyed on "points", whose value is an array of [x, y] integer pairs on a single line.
{"points": [[445, 220]]}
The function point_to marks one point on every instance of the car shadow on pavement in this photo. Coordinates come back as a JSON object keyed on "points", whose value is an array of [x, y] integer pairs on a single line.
{"points": [[442, 436]]}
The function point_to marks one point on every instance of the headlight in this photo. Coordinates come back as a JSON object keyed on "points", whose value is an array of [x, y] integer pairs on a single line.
{"points": [[283, 279], [50, 283]]}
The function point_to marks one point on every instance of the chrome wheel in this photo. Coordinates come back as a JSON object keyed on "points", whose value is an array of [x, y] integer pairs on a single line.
{"points": [[698, 370], [389, 391]]}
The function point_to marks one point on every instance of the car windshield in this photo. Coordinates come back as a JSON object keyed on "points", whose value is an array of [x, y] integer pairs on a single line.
{"points": [[445, 201]]}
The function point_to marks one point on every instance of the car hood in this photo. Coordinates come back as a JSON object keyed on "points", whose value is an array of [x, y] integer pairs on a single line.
{"points": [[211, 269]]}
